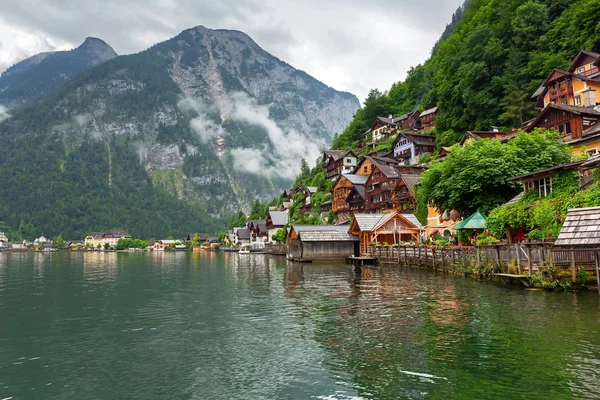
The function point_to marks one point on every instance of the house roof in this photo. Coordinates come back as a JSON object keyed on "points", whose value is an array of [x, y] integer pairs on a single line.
{"points": [[286, 204], [116, 233], [514, 199], [416, 138], [581, 54], [261, 226], [279, 218], [358, 189], [388, 170], [411, 181], [581, 228], [327, 236], [429, 111], [587, 111], [474, 221], [404, 116], [313, 228], [243, 233], [371, 222], [168, 241], [95, 235], [337, 154], [312, 189], [571, 165], [356, 179]]}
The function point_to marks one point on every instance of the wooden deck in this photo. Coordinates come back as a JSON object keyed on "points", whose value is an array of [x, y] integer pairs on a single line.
{"points": [[363, 260], [510, 278]]}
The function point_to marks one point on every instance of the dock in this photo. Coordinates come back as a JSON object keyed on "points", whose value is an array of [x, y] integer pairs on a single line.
{"points": [[359, 262]]}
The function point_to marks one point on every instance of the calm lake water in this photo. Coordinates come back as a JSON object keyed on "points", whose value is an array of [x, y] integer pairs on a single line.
{"points": [[226, 326]]}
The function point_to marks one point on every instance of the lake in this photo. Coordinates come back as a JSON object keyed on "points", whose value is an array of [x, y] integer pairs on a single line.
{"points": [[228, 326]]}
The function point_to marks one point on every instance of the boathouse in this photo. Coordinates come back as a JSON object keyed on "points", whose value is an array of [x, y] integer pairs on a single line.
{"points": [[390, 228], [309, 243]]}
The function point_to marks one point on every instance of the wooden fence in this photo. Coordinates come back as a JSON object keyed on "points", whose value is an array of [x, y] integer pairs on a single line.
{"points": [[527, 258]]}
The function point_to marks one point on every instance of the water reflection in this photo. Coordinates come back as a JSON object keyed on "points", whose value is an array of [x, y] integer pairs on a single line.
{"points": [[230, 326]]}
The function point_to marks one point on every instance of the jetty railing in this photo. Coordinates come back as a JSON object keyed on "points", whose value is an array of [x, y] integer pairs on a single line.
{"points": [[521, 259]]}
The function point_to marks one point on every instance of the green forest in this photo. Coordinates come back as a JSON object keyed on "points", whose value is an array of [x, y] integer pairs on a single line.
{"points": [[491, 58]]}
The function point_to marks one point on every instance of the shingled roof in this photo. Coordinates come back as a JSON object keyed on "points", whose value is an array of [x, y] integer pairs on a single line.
{"points": [[327, 236], [581, 228], [279, 218], [411, 181]]}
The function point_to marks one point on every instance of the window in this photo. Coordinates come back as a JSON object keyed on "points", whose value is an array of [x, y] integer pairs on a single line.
{"points": [[545, 186], [565, 103], [348, 161], [581, 70], [577, 100], [565, 128], [365, 168], [591, 152]]}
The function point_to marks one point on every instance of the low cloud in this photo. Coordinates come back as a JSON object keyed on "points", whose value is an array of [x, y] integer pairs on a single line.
{"points": [[4, 115], [202, 124], [288, 146]]}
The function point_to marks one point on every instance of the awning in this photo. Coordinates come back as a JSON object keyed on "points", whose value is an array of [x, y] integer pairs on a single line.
{"points": [[475, 221]]}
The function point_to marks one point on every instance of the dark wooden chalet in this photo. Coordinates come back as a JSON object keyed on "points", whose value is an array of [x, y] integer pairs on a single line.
{"points": [[342, 189], [409, 121], [403, 198], [409, 146], [338, 162], [379, 188], [356, 199], [427, 118], [578, 125], [476, 135]]}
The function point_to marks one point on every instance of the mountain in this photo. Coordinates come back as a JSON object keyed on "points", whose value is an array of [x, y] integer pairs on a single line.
{"points": [[207, 116], [46, 73], [486, 66]]}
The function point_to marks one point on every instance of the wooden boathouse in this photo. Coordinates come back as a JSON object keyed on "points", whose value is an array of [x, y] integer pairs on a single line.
{"points": [[390, 228], [311, 243]]}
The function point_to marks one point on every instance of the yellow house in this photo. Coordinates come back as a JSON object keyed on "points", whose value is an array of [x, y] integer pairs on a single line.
{"points": [[110, 238], [577, 86], [436, 224]]}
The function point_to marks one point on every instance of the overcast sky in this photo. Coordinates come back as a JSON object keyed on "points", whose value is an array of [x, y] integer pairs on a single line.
{"points": [[351, 45]]}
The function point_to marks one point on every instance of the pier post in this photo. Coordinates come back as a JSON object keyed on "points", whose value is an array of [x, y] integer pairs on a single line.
{"points": [[518, 250], [597, 270], [452, 256], [405, 256], [573, 272], [433, 257], [529, 260]]}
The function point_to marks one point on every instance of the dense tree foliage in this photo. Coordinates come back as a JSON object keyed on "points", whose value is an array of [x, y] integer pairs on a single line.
{"points": [[48, 188], [473, 177], [487, 64]]}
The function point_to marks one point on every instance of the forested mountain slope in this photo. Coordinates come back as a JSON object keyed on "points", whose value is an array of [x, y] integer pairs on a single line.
{"points": [[207, 116]]}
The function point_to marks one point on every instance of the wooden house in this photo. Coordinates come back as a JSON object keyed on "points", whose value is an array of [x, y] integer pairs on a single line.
{"points": [[577, 86], [325, 207], [341, 190], [276, 220], [403, 197], [579, 126], [409, 121], [409, 146], [379, 188], [476, 135], [309, 191], [427, 118], [367, 164], [380, 130], [243, 236], [338, 162], [309, 243], [356, 199], [391, 228], [258, 231]]}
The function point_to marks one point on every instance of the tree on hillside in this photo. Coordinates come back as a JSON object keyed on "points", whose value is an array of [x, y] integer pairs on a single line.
{"points": [[473, 177]]}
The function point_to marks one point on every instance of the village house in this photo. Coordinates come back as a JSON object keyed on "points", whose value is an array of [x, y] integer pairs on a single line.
{"points": [[390, 228], [427, 119], [306, 201], [325, 207], [356, 199], [381, 129], [276, 220], [341, 190], [3, 237], [408, 147], [104, 239], [440, 223], [476, 135], [338, 162], [379, 188], [409, 121], [577, 86], [578, 125], [160, 245], [403, 198], [258, 231], [310, 243], [243, 236]]}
